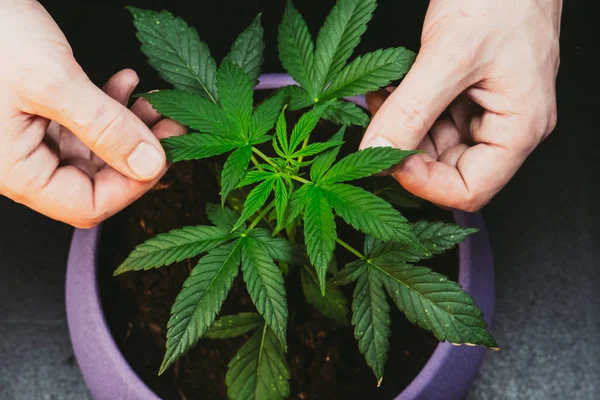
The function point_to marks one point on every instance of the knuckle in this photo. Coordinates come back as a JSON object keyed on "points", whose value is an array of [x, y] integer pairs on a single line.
{"points": [[107, 132], [410, 115]]}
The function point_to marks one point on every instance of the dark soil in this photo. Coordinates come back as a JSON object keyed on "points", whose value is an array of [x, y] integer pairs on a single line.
{"points": [[324, 359]]}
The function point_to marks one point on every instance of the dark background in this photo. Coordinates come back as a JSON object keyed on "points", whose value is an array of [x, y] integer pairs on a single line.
{"points": [[544, 225]]}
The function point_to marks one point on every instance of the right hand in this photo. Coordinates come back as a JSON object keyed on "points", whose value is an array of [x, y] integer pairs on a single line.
{"points": [[68, 149]]}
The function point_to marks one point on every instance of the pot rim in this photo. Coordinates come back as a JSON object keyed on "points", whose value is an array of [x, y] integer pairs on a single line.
{"points": [[108, 374]]}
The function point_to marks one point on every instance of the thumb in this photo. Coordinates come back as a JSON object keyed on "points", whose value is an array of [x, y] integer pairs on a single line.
{"points": [[104, 125], [406, 116]]}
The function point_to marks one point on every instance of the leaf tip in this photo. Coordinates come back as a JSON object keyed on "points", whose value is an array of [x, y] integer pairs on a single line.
{"points": [[379, 381]]}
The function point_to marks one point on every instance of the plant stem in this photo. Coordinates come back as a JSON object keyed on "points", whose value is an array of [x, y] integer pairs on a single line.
{"points": [[262, 215], [299, 179], [265, 157], [350, 249], [255, 162], [303, 147]]}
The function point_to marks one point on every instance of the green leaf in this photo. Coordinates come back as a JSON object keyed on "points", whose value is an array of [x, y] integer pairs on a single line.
{"points": [[435, 238], [435, 303], [254, 176], [174, 49], [296, 48], [233, 170], [333, 305], [247, 50], [299, 97], [306, 124], [195, 146], [256, 199], [222, 217], [282, 197], [319, 233], [344, 113], [266, 114], [399, 197], [365, 163], [371, 319], [281, 133], [266, 287], [348, 274], [259, 370], [370, 214], [339, 36], [174, 246], [235, 92], [325, 160], [297, 203], [315, 148], [370, 72], [200, 300], [278, 249], [231, 326], [191, 110]]}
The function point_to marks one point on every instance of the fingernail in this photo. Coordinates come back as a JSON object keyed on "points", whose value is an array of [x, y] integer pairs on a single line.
{"points": [[146, 161], [379, 141]]}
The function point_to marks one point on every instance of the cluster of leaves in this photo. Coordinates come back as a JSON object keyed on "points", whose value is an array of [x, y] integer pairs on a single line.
{"points": [[302, 187]]}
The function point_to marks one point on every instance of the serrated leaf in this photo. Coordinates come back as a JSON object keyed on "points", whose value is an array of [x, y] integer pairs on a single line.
{"points": [[339, 36], [282, 197], [370, 72], [325, 160], [369, 214], [296, 48], [223, 217], [306, 124], [233, 170], [200, 300], [247, 50], [315, 148], [266, 287], [371, 320], [191, 110], [195, 146], [348, 274], [231, 326], [345, 113], [435, 237], [174, 49], [174, 246], [297, 203], [264, 117], [254, 176], [281, 135], [435, 303], [319, 233], [365, 163], [236, 94], [259, 370], [333, 305], [256, 199], [400, 197], [278, 249], [298, 97]]}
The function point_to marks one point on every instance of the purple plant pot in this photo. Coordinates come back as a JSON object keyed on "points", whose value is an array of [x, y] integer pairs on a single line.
{"points": [[448, 374]]}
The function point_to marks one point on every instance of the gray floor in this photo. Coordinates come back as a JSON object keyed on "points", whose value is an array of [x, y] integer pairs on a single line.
{"points": [[544, 227]]}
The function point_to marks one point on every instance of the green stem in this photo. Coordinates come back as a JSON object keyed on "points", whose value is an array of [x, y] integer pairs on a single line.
{"points": [[255, 162], [299, 179], [304, 144], [350, 249], [262, 215], [265, 157]]}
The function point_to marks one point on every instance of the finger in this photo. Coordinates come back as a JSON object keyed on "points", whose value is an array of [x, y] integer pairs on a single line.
{"points": [[144, 111], [406, 116], [445, 135], [465, 177], [376, 99], [104, 125], [121, 85], [167, 128]]}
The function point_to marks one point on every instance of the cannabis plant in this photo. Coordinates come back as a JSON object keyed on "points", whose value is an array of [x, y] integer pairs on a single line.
{"points": [[296, 187]]}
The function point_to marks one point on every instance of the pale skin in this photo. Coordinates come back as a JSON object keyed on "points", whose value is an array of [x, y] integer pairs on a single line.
{"points": [[76, 153]]}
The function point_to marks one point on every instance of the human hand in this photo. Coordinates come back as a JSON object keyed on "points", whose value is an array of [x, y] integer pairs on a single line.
{"points": [[68, 149], [493, 65]]}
